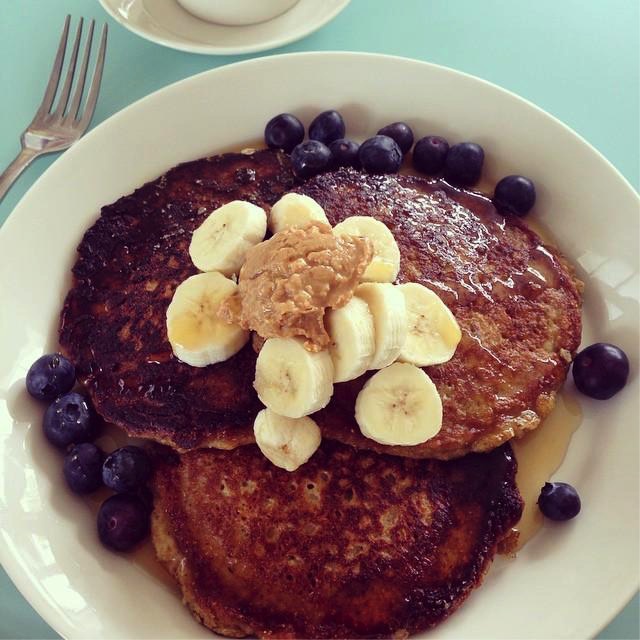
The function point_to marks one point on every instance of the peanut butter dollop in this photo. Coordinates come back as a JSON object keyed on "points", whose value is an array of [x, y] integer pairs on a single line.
{"points": [[288, 281]]}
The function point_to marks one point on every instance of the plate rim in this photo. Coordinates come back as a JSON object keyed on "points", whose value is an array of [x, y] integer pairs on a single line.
{"points": [[207, 49], [9, 561]]}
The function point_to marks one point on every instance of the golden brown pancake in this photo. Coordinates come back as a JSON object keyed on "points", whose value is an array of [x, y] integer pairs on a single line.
{"points": [[113, 323], [515, 298], [351, 545]]}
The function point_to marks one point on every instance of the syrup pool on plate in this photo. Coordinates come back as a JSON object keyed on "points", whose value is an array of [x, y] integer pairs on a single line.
{"points": [[143, 555], [540, 454]]}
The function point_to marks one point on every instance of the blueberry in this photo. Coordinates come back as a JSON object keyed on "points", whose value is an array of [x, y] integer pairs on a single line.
{"points": [[327, 127], [463, 164], [284, 131], [123, 521], [344, 153], [50, 376], [559, 501], [70, 420], [126, 469], [600, 370], [380, 154], [310, 158], [82, 468], [515, 194], [401, 133], [429, 154]]}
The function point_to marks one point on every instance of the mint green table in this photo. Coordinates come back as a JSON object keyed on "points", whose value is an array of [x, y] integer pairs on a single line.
{"points": [[578, 59]]}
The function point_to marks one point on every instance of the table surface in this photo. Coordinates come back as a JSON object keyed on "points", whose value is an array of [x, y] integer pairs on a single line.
{"points": [[577, 59]]}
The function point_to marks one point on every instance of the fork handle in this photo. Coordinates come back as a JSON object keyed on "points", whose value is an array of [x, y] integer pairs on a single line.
{"points": [[10, 174]]}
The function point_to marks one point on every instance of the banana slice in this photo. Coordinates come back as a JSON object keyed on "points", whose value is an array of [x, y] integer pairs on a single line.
{"points": [[379, 271], [352, 339], [399, 405], [221, 242], [197, 336], [292, 381], [433, 333], [386, 256], [287, 442], [389, 313], [295, 210]]}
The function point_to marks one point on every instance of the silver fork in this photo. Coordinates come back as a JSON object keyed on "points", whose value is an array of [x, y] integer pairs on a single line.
{"points": [[55, 129]]}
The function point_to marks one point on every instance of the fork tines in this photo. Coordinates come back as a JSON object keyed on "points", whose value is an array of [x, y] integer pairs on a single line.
{"points": [[70, 113]]}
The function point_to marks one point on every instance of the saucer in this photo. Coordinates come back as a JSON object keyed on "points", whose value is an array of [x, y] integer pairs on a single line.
{"points": [[167, 23]]}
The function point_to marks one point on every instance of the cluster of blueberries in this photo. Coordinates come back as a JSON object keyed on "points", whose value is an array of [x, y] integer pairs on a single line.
{"points": [[71, 424], [327, 148]]}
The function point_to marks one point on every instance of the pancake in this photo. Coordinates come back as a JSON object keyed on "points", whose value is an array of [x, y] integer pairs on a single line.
{"points": [[113, 322], [515, 298], [351, 545]]}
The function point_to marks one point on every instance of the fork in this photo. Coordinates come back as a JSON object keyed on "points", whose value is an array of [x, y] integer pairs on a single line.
{"points": [[57, 129]]}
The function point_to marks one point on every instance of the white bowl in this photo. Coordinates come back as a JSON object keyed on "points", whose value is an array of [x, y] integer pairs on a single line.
{"points": [[567, 582], [236, 12]]}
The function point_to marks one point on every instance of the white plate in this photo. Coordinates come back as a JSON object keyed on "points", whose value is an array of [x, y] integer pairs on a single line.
{"points": [[570, 580], [167, 23]]}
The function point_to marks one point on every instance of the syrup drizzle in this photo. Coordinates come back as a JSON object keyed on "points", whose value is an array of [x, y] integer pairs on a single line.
{"points": [[143, 555], [540, 454]]}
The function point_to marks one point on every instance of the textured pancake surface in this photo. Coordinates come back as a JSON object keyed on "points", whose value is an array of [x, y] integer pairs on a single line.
{"points": [[515, 298], [352, 544], [113, 322]]}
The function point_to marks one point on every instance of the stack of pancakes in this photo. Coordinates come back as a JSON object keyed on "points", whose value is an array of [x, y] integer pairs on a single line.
{"points": [[364, 540]]}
